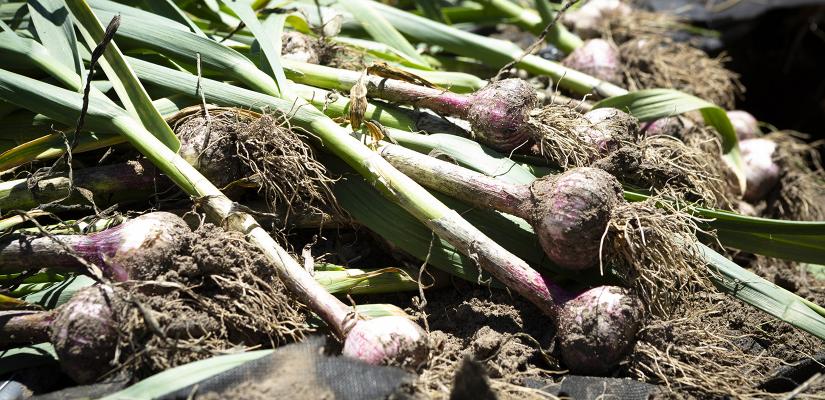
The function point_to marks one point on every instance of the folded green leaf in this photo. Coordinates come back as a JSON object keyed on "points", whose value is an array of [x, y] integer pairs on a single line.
{"points": [[19, 52], [58, 293], [56, 32], [26, 357], [432, 10], [272, 53], [493, 52], [809, 249], [169, 9], [53, 145], [184, 46], [112, 7]]}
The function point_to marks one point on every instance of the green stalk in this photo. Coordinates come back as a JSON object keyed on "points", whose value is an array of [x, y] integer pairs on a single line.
{"points": [[380, 29], [14, 46], [470, 13], [129, 90], [35, 147], [53, 145], [493, 51], [527, 19], [480, 189], [388, 115], [396, 186]]}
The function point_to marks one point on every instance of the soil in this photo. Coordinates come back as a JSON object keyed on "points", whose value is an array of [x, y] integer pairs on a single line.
{"points": [[795, 277], [510, 337], [717, 347], [218, 295], [701, 352]]}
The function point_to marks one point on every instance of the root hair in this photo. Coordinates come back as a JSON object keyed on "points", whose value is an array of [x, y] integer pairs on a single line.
{"points": [[693, 353], [653, 252], [265, 151], [681, 171], [659, 62], [801, 189], [622, 27], [554, 129], [561, 135]]}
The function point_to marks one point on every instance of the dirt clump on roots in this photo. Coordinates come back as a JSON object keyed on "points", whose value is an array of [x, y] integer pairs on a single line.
{"points": [[218, 295], [501, 332], [241, 148], [300, 47], [800, 194], [717, 347], [707, 143], [669, 167], [660, 62]]}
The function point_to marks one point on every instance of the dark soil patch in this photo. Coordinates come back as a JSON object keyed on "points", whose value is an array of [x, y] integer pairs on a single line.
{"points": [[500, 331]]}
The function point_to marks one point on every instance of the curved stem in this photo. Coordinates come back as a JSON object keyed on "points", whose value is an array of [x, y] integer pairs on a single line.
{"points": [[221, 210], [393, 184], [438, 100], [461, 183]]}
